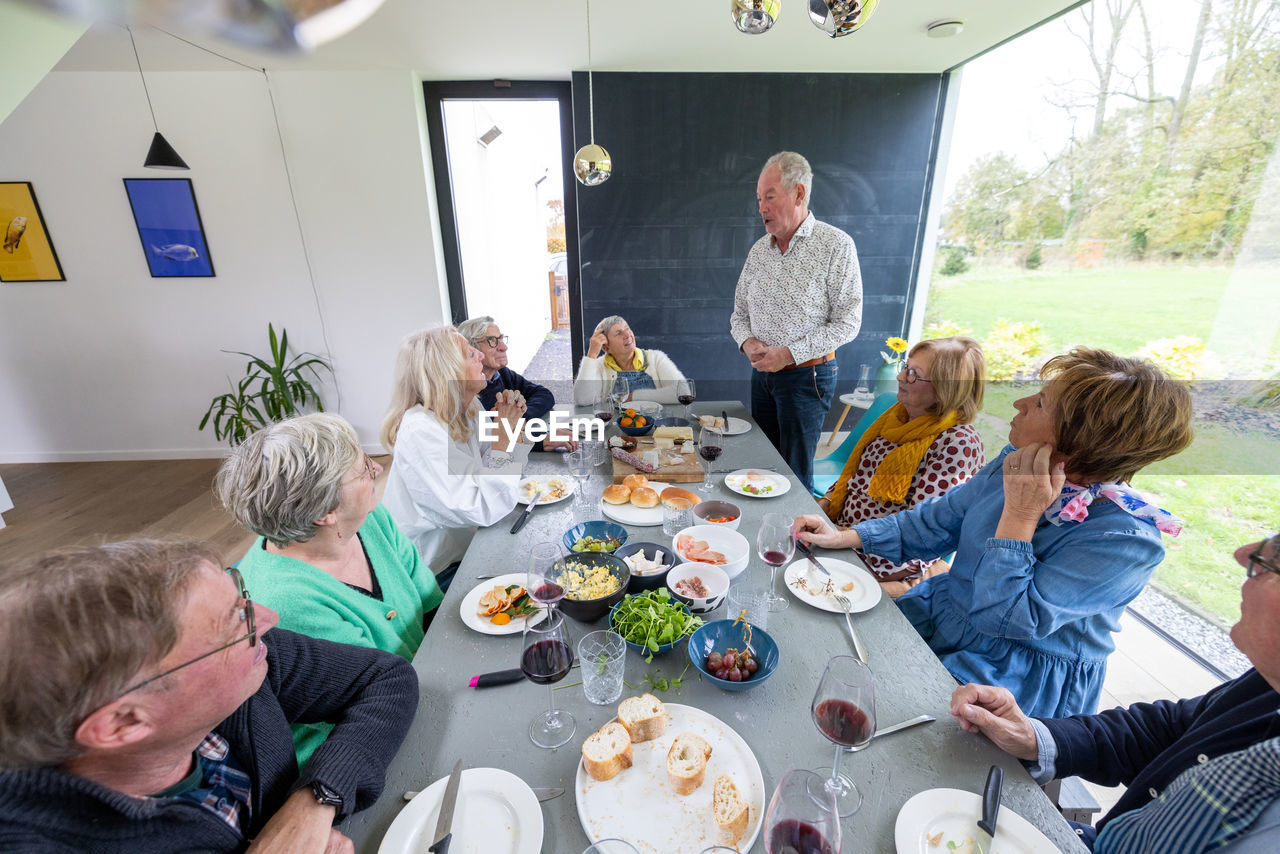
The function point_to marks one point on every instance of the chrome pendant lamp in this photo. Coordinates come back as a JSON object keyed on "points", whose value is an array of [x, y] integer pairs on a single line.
{"points": [[591, 164], [755, 16], [161, 155], [839, 18]]}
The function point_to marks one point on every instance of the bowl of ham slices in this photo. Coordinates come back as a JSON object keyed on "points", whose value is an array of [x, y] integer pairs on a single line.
{"points": [[713, 544]]}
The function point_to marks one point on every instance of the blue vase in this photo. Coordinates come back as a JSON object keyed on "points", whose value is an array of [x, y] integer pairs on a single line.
{"points": [[886, 379]]}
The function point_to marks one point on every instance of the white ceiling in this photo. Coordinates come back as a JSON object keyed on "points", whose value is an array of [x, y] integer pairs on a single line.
{"points": [[523, 40]]}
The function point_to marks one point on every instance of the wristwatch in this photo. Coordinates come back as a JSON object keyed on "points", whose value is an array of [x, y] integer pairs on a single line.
{"points": [[326, 796]]}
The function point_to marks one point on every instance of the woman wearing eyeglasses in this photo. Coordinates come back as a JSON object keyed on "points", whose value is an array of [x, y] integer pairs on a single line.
{"points": [[917, 450], [612, 353], [329, 559], [1050, 540]]}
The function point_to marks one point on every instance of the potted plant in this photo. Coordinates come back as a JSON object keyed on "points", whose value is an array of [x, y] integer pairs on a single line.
{"points": [[270, 390]]}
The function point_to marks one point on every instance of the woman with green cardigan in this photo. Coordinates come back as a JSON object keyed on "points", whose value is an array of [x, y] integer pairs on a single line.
{"points": [[328, 557]]}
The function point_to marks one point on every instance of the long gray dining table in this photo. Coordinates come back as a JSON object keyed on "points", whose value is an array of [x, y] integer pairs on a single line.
{"points": [[489, 727]]}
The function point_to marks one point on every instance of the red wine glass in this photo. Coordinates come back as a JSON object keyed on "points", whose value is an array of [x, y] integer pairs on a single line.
{"points": [[710, 445], [543, 581], [844, 710], [775, 545], [798, 821], [545, 658], [686, 394]]}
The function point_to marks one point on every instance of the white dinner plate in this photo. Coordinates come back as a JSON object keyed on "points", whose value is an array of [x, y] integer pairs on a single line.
{"points": [[778, 484], [629, 514], [471, 606], [863, 596], [733, 427], [954, 813], [496, 813], [561, 484], [640, 806]]}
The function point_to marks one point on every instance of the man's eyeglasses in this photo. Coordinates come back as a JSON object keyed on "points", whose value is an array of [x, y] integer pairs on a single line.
{"points": [[246, 617], [492, 340], [913, 376], [1266, 558]]}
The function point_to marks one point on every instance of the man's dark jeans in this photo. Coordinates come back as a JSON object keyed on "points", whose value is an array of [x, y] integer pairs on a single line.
{"points": [[790, 407]]}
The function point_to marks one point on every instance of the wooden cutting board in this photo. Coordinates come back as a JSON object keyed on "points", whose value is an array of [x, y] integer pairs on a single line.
{"points": [[689, 471]]}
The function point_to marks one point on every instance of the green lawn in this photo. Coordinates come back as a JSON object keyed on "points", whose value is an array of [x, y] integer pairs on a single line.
{"points": [[1215, 485]]}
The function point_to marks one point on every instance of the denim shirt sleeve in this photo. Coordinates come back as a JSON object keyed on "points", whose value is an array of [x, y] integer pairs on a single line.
{"points": [[1042, 771]]}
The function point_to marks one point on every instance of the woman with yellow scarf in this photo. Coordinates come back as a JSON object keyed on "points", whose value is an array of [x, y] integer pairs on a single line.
{"points": [[612, 353], [921, 447]]}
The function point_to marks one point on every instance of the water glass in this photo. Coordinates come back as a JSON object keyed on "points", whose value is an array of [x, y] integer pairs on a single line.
{"points": [[597, 449], [604, 663], [753, 600], [611, 846], [677, 514]]}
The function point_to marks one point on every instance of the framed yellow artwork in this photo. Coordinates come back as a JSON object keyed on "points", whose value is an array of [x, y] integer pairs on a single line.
{"points": [[27, 253]]}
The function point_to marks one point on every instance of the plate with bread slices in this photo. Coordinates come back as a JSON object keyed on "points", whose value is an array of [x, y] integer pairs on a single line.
{"points": [[496, 813], [734, 427], [669, 777]]}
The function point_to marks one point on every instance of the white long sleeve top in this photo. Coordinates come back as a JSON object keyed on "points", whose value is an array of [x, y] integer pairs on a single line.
{"points": [[595, 380]]}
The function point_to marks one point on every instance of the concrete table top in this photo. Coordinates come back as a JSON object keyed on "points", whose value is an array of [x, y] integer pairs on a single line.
{"points": [[489, 727]]}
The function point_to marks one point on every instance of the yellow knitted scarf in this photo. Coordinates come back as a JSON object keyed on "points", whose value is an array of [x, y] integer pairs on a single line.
{"points": [[639, 362], [893, 476]]}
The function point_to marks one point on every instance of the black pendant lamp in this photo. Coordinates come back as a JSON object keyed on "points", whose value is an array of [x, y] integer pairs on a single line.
{"points": [[161, 155]]}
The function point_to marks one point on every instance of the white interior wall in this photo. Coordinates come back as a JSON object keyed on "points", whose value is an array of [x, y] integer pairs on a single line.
{"points": [[114, 364]]}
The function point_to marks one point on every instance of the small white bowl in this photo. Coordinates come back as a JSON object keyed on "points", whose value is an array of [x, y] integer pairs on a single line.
{"points": [[715, 507], [719, 538], [713, 578], [648, 408]]}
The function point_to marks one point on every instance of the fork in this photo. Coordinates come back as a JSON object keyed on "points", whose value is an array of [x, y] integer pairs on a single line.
{"points": [[858, 646]]}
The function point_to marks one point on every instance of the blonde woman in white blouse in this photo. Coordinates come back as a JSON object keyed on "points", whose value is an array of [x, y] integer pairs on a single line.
{"points": [[444, 481]]}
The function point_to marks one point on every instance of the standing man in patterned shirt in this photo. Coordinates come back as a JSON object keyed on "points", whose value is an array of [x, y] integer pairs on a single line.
{"points": [[799, 297]]}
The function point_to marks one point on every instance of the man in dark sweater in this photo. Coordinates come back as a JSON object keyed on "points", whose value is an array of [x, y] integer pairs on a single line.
{"points": [[145, 707], [485, 336], [1201, 773]]}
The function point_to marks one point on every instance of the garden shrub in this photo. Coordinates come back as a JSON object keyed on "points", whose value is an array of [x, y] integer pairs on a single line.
{"points": [[1012, 347], [954, 263], [1181, 357], [944, 329], [1034, 259]]}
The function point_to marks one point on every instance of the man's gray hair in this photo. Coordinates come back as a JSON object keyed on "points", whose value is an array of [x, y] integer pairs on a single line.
{"points": [[474, 328], [608, 323], [287, 475], [795, 170]]}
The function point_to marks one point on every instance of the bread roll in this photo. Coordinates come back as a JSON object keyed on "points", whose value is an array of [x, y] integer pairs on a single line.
{"points": [[631, 481], [617, 494], [677, 492], [644, 717], [643, 496], [606, 752], [687, 762], [730, 809]]}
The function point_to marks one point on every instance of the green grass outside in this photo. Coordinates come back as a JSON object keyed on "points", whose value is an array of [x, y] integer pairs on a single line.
{"points": [[1213, 485]]}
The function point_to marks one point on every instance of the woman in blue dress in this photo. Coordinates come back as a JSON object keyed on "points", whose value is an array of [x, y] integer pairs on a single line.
{"points": [[1050, 540], [612, 354]]}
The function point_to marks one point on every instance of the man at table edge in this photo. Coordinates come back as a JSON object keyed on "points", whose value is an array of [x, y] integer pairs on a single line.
{"points": [[798, 298], [1201, 773], [146, 707]]}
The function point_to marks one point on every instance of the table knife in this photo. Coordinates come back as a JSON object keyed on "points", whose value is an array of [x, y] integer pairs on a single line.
{"points": [[808, 552], [498, 677], [542, 793], [444, 824], [910, 722], [990, 808], [524, 517], [724, 413]]}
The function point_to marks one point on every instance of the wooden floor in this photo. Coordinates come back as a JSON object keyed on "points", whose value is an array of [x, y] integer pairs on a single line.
{"points": [[60, 504]]}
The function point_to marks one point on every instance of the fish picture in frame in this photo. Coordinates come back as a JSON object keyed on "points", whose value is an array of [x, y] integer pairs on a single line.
{"points": [[169, 227], [26, 249]]}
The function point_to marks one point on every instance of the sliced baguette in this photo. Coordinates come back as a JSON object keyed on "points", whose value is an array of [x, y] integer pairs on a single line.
{"points": [[644, 717], [606, 752], [687, 762], [730, 809]]}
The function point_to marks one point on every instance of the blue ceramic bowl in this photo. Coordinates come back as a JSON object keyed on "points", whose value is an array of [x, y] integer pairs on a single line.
{"points": [[644, 650], [640, 583], [590, 610], [637, 431], [599, 530], [718, 636]]}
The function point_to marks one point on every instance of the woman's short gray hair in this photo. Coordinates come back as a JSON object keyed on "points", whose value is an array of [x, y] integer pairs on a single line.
{"points": [[286, 476], [795, 170], [474, 328], [608, 323]]}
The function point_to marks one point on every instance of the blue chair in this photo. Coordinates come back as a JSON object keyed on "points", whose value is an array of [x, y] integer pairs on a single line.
{"points": [[827, 469]]}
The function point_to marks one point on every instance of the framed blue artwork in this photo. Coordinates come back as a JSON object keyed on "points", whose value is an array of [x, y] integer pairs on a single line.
{"points": [[169, 226]]}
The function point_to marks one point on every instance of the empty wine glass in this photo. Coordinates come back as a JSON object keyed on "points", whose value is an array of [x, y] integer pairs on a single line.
{"points": [[844, 710], [621, 391], [710, 445], [580, 463], [545, 658], [686, 394], [775, 543], [801, 817], [611, 846], [543, 580]]}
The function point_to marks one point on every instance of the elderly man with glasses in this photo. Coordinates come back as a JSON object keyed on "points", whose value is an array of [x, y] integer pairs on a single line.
{"points": [[145, 706], [1201, 774], [485, 336]]}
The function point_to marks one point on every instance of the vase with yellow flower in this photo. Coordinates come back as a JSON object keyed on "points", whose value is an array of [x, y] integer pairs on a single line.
{"points": [[894, 360]]}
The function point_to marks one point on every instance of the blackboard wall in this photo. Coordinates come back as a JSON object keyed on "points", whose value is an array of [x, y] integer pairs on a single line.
{"points": [[663, 240]]}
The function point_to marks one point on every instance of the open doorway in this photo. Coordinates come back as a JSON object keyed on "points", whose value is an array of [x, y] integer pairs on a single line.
{"points": [[501, 153]]}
